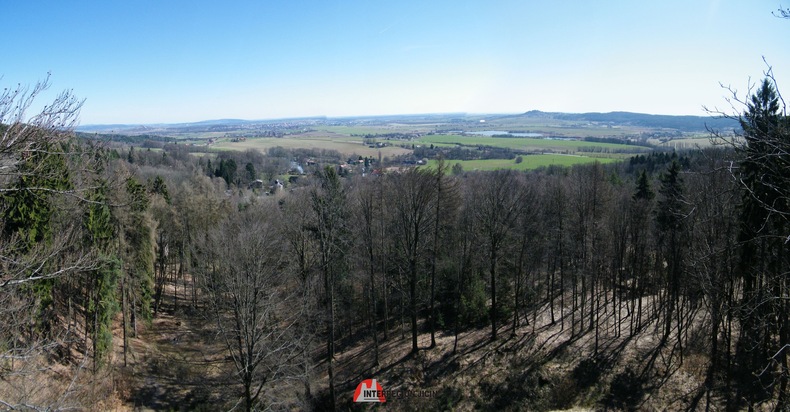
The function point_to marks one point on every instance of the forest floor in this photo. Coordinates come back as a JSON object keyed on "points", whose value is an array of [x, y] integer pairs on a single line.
{"points": [[541, 367], [178, 362]]}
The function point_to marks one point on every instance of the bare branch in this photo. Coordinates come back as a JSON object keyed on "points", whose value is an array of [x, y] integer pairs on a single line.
{"points": [[782, 13]]}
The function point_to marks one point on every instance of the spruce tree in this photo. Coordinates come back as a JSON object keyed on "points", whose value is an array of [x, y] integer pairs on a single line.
{"points": [[643, 189], [763, 260], [102, 285]]}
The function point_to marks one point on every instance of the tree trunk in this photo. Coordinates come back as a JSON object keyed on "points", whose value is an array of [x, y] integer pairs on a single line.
{"points": [[124, 309], [330, 347], [413, 304], [492, 270], [247, 394], [373, 326]]}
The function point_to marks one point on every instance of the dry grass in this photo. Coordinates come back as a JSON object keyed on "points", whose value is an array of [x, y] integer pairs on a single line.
{"points": [[43, 384]]}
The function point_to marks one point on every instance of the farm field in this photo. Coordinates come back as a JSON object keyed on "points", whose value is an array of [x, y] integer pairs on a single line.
{"points": [[347, 146], [375, 129], [553, 127], [531, 144], [560, 135], [530, 162], [544, 127], [571, 130]]}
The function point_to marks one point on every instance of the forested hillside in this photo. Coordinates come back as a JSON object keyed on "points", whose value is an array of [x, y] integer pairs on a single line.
{"points": [[138, 278]]}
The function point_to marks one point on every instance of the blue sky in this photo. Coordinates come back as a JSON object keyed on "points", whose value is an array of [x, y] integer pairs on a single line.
{"points": [[180, 61]]}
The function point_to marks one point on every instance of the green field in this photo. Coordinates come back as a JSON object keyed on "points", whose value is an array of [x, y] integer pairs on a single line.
{"points": [[530, 144], [569, 152], [530, 162]]}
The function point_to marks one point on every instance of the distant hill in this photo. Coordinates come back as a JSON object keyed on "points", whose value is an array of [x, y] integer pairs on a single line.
{"points": [[654, 121], [143, 128], [682, 123], [107, 127], [201, 126]]}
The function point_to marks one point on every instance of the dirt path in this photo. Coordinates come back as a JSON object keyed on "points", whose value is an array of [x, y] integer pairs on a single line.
{"points": [[176, 363]]}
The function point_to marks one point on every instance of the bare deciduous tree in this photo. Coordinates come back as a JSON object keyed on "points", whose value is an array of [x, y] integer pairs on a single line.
{"points": [[252, 300], [498, 199], [330, 229], [414, 194]]}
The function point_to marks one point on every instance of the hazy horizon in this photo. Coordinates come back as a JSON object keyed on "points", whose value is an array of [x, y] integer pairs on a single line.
{"points": [[481, 116], [182, 62]]}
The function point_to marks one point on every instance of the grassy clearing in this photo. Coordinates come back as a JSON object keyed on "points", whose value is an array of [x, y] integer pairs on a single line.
{"points": [[529, 144], [530, 162]]}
